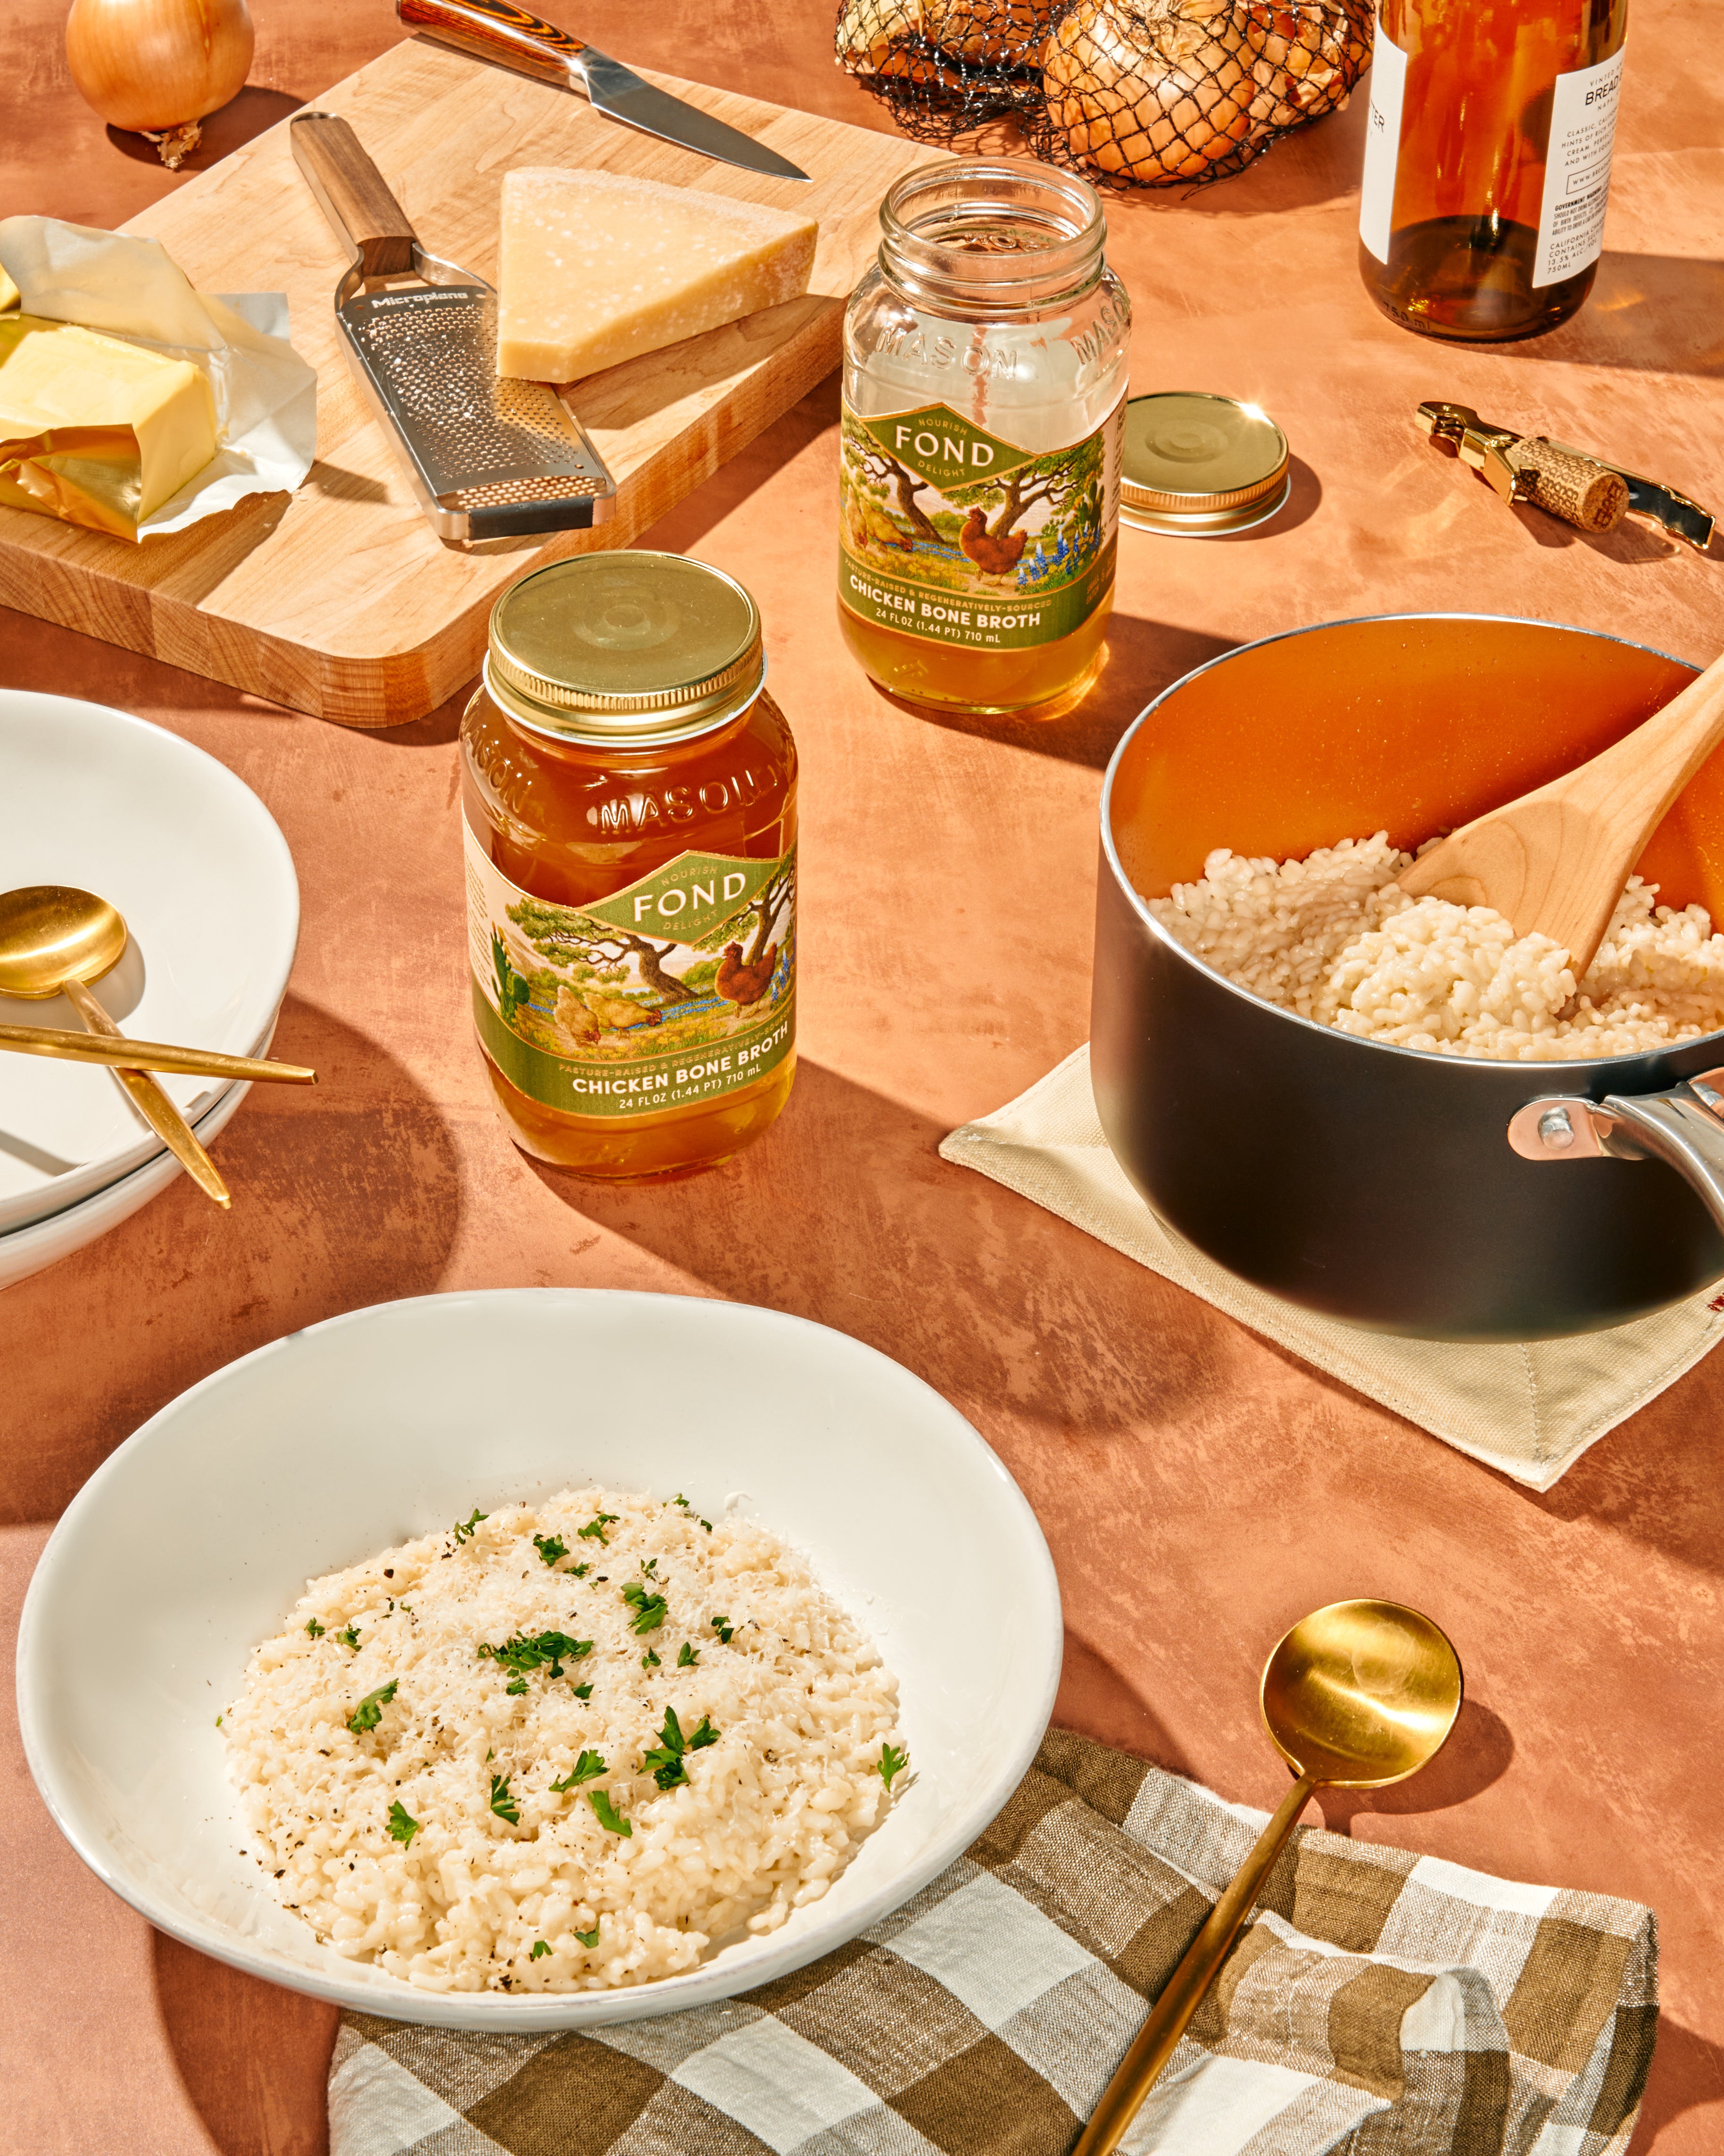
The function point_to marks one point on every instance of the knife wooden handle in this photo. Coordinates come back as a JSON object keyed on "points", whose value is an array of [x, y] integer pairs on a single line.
{"points": [[492, 30], [352, 193]]}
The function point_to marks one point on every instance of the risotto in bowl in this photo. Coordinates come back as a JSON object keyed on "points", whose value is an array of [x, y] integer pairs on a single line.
{"points": [[674, 1660]]}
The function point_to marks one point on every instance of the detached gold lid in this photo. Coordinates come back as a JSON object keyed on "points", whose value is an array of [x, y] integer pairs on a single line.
{"points": [[625, 646], [1200, 465]]}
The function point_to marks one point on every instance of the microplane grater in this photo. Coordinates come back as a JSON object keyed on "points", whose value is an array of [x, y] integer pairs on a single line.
{"points": [[490, 457]]}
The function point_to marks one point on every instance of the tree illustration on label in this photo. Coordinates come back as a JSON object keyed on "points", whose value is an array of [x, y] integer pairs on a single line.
{"points": [[513, 989]]}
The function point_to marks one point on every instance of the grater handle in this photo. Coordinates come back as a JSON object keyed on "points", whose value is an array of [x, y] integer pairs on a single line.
{"points": [[494, 30], [352, 194]]}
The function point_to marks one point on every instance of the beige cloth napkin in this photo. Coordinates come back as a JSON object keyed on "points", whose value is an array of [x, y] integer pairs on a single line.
{"points": [[1380, 2005], [1529, 1408]]}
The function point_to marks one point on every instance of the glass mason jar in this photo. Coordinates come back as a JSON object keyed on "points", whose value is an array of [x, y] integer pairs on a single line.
{"points": [[1487, 162], [630, 797], [984, 380]]}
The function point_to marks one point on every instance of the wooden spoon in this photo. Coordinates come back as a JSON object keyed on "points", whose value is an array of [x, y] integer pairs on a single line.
{"points": [[1555, 861]]}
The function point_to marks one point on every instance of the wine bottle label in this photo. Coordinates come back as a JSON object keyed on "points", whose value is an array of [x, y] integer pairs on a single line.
{"points": [[1383, 145], [1576, 170], [948, 533], [676, 991]]}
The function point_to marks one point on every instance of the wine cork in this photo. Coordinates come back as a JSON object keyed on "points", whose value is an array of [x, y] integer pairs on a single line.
{"points": [[1583, 493]]}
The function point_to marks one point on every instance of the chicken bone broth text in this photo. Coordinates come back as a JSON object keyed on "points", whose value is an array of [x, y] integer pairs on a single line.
{"points": [[1334, 938], [563, 1746]]}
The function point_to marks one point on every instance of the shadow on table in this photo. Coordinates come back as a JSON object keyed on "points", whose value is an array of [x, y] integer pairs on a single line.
{"points": [[346, 1194], [253, 2057], [1100, 1701], [1142, 658], [1687, 2070], [1662, 314], [238, 122], [988, 1297]]}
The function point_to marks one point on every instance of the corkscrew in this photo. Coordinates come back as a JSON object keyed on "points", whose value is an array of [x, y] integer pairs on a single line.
{"points": [[1563, 481]]}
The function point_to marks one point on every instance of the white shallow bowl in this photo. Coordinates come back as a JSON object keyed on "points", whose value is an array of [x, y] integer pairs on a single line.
{"points": [[43, 1243], [191, 1543], [195, 862]]}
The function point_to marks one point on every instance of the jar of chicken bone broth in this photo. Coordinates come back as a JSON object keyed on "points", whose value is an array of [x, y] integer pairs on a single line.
{"points": [[984, 374], [630, 797]]}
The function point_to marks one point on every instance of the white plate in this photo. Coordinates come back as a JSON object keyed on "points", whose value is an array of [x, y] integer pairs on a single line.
{"points": [[193, 860], [40, 1244], [189, 1544]]}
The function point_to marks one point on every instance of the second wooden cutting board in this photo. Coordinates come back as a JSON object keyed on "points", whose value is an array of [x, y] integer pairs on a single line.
{"points": [[340, 600]]}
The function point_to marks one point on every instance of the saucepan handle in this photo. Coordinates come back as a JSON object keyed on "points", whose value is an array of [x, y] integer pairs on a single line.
{"points": [[352, 194], [1683, 1127], [492, 30]]}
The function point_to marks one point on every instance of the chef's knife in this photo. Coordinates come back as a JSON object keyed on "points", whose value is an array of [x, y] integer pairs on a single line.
{"points": [[492, 30]]}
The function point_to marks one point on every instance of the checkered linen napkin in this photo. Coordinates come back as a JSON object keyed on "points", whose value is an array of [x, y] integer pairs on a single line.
{"points": [[1381, 2004], [1528, 1407]]}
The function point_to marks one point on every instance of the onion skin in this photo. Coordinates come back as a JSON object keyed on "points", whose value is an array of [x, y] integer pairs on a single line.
{"points": [[154, 66]]}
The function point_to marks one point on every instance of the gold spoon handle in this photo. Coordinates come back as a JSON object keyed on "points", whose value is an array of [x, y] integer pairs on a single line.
{"points": [[1171, 2015], [152, 1103], [148, 1054]]}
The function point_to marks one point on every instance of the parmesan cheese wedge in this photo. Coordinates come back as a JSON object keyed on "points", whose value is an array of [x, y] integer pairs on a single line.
{"points": [[93, 430], [598, 269]]}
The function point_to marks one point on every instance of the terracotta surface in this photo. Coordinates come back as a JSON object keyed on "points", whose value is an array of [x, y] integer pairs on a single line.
{"points": [[1200, 1489]]}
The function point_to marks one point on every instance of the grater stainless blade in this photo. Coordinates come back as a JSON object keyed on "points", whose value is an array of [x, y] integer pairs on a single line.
{"points": [[490, 457]]}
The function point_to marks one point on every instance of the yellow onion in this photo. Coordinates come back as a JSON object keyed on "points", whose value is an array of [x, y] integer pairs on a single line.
{"points": [[1155, 91], [1313, 52], [157, 67]]}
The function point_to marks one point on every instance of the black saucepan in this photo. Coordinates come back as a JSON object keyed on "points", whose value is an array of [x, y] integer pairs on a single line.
{"points": [[1374, 1182]]}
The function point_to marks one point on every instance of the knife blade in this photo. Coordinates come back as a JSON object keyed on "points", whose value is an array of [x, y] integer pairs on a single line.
{"points": [[509, 36]]}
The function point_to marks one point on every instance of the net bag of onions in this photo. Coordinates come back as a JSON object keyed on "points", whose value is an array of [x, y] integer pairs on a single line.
{"points": [[1147, 92]]}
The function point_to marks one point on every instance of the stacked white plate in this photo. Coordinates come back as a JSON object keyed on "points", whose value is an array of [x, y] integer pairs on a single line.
{"points": [[96, 798]]}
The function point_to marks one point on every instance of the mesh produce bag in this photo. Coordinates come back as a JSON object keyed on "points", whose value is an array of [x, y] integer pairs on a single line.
{"points": [[1150, 93]]}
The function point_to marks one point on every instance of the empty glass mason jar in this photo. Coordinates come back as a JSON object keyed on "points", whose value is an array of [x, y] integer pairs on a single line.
{"points": [[984, 380]]}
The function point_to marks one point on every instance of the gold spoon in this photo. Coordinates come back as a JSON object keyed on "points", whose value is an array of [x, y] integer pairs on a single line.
{"points": [[54, 939], [147, 1055], [1357, 1695]]}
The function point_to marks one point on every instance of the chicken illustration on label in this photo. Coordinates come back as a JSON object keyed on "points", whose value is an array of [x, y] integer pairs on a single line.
{"points": [[950, 532], [676, 990]]}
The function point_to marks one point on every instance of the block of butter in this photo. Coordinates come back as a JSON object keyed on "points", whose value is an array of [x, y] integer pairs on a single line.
{"points": [[95, 431], [597, 268]]}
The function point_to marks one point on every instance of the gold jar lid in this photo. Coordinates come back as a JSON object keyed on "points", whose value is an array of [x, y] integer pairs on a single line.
{"points": [[625, 646], [1200, 465]]}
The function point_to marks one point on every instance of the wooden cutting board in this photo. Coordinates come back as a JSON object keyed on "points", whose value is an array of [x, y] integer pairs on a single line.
{"points": [[340, 600]]}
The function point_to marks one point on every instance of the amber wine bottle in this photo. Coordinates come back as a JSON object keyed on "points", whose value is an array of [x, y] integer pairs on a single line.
{"points": [[1487, 162]]}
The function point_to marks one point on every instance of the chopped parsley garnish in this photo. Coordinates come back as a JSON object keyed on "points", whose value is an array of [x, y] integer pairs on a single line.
{"points": [[550, 1547], [587, 1768], [686, 1657], [502, 1803], [583, 1691], [664, 1760], [515, 1687], [589, 1939], [650, 1568], [218, 1721], [606, 1813], [579, 1571], [539, 1947], [402, 1825], [650, 1661], [464, 1530], [891, 1761], [595, 1529], [350, 1638], [650, 1610], [724, 1627], [314, 1628], [369, 1712], [531, 1651], [679, 1499]]}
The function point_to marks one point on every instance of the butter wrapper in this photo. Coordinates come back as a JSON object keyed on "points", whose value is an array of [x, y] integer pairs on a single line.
{"points": [[265, 394]]}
